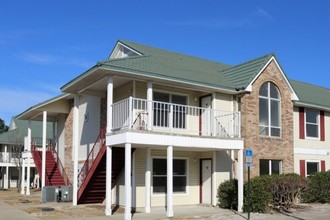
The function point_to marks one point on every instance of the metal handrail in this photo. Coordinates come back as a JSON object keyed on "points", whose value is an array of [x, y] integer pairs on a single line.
{"points": [[37, 160], [60, 166], [98, 145]]}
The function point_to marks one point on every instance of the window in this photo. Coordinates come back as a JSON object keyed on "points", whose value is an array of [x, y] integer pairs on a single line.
{"points": [[312, 123], [162, 110], [269, 167], [160, 178], [312, 167], [269, 110]]}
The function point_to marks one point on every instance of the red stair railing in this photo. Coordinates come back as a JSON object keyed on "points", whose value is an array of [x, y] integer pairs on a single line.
{"points": [[52, 145], [37, 160], [99, 144]]}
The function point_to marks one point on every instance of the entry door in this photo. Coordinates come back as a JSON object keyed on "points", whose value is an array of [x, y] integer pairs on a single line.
{"points": [[206, 181], [205, 116]]}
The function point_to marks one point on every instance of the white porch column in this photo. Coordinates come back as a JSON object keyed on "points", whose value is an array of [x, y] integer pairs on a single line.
{"points": [[109, 103], [5, 181], [147, 207], [23, 177], [149, 98], [128, 194], [44, 136], [232, 171], [108, 197], [169, 199], [28, 160], [75, 139], [214, 179], [240, 181]]}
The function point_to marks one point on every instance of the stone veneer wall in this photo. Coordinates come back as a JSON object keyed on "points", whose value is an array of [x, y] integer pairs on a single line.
{"points": [[103, 115], [68, 161], [272, 148]]}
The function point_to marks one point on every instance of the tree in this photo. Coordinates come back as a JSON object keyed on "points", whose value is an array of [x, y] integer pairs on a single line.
{"points": [[17, 147], [3, 127]]}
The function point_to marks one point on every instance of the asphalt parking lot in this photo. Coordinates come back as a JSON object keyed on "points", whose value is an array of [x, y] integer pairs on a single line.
{"points": [[13, 205]]}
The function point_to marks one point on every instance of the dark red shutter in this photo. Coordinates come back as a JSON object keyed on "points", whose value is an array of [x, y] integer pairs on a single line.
{"points": [[302, 168], [301, 123], [322, 166], [322, 125]]}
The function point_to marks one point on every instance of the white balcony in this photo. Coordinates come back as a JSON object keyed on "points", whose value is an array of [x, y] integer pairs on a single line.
{"points": [[9, 157], [162, 117]]}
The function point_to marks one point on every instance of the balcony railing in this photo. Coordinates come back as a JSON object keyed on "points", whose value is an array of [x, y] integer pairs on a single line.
{"points": [[141, 114], [8, 157]]}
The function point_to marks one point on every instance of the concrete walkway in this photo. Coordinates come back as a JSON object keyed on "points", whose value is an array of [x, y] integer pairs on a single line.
{"points": [[12, 212]]}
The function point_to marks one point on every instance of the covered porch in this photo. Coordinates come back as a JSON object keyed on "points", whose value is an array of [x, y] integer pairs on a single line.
{"points": [[153, 178]]}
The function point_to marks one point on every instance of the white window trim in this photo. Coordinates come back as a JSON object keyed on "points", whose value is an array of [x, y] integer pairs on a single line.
{"points": [[270, 166], [313, 161], [269, 99], [174, 193], [318, 125]]}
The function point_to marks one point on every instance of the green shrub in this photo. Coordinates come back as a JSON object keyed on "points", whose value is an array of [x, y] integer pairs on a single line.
{"points": [[227, 194], [260, 196], [318, 188]]}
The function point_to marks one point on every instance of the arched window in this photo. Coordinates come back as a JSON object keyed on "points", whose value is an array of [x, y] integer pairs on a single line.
{"points": [[269, 110]]}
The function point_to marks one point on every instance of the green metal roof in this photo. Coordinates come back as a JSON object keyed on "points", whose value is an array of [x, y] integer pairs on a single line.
{"points": [[170, 65], [21, 131], [242, 75], [159, 63], [309, 94]]}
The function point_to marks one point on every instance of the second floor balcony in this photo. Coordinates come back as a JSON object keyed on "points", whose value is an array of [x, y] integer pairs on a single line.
{"points": [[164, 117]]}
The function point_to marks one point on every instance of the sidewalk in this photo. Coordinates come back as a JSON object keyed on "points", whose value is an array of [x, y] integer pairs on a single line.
{"points": [[16, 206]]}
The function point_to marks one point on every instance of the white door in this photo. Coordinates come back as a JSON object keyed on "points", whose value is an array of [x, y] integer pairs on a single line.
{"points": [[206, 181], [206, 117]]}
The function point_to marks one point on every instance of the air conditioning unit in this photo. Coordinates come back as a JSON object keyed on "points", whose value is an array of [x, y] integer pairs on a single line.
{"points": [[65, 194], [49, 194]]}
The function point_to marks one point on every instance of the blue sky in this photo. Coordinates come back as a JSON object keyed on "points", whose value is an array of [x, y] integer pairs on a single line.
{"points": [[44, 44]]}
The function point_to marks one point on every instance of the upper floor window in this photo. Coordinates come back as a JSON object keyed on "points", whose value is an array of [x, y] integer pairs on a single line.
{"points": [[269, 110], [312, 123]]}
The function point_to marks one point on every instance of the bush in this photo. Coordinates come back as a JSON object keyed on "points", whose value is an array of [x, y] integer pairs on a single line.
{"points": [[318, 188], [260, 196], [266, 192], [286, 189], [227, 194]]}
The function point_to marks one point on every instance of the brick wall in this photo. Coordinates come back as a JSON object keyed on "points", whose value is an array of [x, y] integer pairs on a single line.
{"points": [[272, 148], [68, 162]]}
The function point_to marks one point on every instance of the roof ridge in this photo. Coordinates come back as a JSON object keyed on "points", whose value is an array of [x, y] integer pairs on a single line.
{"points": [[173, 52], [255, 59]]}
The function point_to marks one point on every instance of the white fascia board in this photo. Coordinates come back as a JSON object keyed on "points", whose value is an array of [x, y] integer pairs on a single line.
{"points": [[306, 105], [294, 96], [153, 139], [311, 151]]}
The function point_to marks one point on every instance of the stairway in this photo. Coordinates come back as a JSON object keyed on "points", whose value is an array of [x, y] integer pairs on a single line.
{"points": [[53, 174], [94, 186]]}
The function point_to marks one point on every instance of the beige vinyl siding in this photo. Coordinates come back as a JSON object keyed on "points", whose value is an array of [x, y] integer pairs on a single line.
{"points": [[89, 128], [192, 194], [223, 166], [223, 102], [308, 142], [123, 92]]}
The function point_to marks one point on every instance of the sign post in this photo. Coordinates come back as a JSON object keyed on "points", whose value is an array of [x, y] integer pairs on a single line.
{"points": [[248, 159]]}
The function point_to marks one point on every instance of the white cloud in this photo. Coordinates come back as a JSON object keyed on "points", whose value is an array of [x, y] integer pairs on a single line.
{"points": [[265, 14], [16, 100], [38, 58]]}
